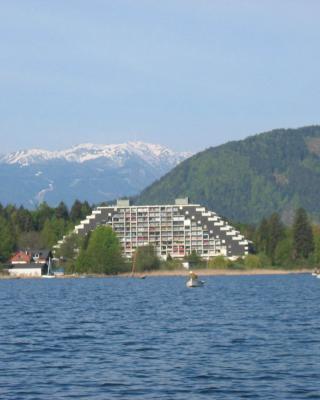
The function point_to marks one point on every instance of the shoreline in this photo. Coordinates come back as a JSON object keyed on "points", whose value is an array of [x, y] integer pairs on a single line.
{"points": [[217, 272], [179, 272]]}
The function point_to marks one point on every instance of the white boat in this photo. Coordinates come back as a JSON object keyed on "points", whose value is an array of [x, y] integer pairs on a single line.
{"points": [[318, 276], [194, 282]]}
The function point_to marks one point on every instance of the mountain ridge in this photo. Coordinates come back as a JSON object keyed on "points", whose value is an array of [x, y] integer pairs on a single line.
{"points": [[248, 179], [91, 172], [88, 151]]}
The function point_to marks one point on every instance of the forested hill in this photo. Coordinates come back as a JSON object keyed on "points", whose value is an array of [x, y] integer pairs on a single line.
{"points": [[249, 179]]}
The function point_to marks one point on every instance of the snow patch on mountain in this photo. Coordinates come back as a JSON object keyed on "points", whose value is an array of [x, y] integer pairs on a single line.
{"points": [[116, 154], [41, 195], [96, 173]]}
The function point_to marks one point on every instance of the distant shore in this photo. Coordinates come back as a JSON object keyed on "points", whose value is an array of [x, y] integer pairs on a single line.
{"points": [[220, 272], [182, 272]]}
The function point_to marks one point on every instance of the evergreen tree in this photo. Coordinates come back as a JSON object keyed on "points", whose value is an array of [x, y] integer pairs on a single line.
{"points": [[43, 213], [53, 230], [7, 239], [316, 238], [22, 219], [76, 211], [275, 234], [303, 244], [85, 210], [9, 211], [262, 236], [29, 240], [62, 212]]}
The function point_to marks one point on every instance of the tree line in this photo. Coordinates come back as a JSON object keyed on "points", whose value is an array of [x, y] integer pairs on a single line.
{"points": [[100, 252], [279, 245], [274, 244], [21, 228]]}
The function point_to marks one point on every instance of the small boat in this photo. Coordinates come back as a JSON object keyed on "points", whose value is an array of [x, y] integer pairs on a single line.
{"points": [[194, 282], [318, 276]]}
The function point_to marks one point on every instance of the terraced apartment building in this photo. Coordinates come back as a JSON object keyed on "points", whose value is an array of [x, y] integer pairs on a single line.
{"points": [[176, 229]]}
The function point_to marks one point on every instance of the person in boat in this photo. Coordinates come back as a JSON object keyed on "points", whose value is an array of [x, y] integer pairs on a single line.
{"points": [[192, 275]]}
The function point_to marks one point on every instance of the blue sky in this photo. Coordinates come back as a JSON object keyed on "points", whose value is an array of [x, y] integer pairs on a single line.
{"points": [[184, 73]]}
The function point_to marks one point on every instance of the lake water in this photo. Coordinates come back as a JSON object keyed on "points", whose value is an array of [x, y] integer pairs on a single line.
{"points": [[239, 337]]}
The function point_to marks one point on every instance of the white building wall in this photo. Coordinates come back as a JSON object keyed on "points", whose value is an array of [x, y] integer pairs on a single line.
{"points": [[25, 272]]}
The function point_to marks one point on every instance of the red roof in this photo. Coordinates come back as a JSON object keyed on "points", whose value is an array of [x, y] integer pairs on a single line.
{"points": [[21, 257]]}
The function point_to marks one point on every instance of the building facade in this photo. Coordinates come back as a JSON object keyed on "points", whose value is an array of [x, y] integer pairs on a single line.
{"points": [[27, 270], [176, 229], [29, 263]]}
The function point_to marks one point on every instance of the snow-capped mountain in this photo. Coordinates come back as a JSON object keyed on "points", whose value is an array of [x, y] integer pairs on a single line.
{"points": [[152, 154], [86, 172]]}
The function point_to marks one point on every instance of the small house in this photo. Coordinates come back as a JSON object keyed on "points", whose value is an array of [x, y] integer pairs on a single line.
{"points": [[30, 263], [41, 256], [21, 257], [28, 270]]}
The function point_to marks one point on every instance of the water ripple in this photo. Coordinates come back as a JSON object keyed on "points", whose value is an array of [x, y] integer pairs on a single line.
{"points": [[235, 338]]}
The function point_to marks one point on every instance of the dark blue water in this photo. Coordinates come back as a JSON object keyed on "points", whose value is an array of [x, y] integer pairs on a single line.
{"points": [[120, 338]]}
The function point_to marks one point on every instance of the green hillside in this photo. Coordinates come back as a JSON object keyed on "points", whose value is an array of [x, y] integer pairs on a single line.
{"points": [[249, 179]]}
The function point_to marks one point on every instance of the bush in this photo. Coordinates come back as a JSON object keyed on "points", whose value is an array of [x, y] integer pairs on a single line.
{"points": [[252, 261], [171, 265], [264, 260], [146, 259], [283, 253], [195, 260], [219, 262]]}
